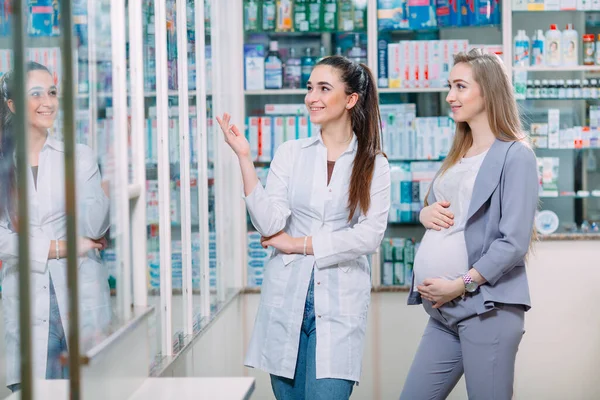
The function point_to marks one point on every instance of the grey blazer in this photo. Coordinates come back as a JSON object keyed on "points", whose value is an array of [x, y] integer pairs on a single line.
{"points": [[500, 224]]}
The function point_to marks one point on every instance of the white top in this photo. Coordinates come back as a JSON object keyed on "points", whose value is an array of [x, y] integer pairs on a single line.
{"points": [[47, 221], [298, 201], [443, 254]]}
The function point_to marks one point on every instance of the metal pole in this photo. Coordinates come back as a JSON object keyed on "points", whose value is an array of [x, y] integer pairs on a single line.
{"points": [[21, 135], [68, 88]]}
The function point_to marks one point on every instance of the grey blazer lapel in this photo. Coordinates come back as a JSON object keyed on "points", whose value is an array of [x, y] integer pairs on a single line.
{"points": [[488, 176]]}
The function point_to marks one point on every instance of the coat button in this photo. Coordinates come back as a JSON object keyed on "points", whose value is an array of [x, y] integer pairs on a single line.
{"points": [[319, 316], [329, 190], [318, 283]]}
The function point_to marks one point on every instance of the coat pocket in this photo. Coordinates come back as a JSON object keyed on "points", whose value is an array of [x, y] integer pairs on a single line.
{"points": [[275, 283], [354, 288]]}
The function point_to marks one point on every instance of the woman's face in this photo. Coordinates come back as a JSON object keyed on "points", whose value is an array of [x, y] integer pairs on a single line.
{"points": [[42, 100], [464, 97], [326, 99]]}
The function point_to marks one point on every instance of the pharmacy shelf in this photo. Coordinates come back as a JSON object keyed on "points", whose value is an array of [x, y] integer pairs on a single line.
{"points": [[550, 11], [275, 92], [374, 289], [569, 196], [412, 90], [558, 99], [577, 68]]}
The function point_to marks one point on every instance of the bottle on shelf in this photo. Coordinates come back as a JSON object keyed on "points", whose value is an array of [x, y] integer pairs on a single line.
{"points": [[338, 51], [356, 51], [250, 16], [284, 16], [586, 91], [269, 15], [322, 54], [537, 89], [301, 23], [273, 67], [521, 49], [589, 50], [330, 15], [544, 92], [307, 64], [315, 15], [594, 89], [570, 89], [530, 89], [538, 48], [577, 89], [570, 51], [293, 71], [346, 15], [553, 92], [553, 56], [562, 90], [360, 15]]}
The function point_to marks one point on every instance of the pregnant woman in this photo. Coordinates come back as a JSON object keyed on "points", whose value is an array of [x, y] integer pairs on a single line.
{"points": [[469, 271]]}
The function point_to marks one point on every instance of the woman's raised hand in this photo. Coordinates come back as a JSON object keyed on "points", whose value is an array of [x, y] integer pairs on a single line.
{"points": [[233, 137], [437, 216]]}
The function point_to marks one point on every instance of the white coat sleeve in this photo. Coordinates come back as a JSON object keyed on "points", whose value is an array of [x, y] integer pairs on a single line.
{"points": [[269, 207], [332, 248], [93, 216], [39, 245]]}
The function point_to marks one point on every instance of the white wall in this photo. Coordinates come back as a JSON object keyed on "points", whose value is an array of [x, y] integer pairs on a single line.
{"points": [[557, 360]]}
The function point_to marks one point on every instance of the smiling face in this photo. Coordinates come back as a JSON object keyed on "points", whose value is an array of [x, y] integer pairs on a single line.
{"points": [[465, 97], [42, 101], [326, 99]]}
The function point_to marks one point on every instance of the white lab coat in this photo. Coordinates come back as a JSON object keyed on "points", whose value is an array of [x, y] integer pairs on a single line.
{"points": [[298, 201], [48, 222]]}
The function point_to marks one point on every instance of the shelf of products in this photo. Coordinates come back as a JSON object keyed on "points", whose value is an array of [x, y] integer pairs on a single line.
{"points": [[413, 48]]}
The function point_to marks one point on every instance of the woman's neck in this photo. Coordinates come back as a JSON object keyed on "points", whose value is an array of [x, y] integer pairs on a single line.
{"points": [[482, 134], [336, 137], [36, 143]]}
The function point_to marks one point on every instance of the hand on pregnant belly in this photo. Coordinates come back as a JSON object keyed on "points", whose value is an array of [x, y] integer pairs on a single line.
{"points": [[437, 216], [441, 291]]}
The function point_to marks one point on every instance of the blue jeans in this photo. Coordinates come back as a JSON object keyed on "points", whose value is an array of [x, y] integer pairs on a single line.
{"points": [[57, 341], [57, 344], [305, 384]]}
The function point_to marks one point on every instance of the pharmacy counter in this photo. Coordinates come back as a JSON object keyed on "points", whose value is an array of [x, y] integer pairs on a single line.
{"points": [[570, 236], [163, 389]]}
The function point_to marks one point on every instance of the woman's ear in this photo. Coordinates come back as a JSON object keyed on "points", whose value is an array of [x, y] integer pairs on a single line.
{"points": [[11, 106], [351, 101]]}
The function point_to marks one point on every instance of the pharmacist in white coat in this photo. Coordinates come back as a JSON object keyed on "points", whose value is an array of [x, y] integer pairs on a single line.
{"points": [[47, 240], [324, 209]]}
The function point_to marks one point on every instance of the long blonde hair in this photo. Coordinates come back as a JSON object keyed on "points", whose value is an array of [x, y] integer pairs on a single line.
{"points": [[500, 104]]}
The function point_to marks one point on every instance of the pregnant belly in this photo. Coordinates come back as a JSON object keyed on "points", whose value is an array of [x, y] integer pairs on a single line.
{"points": [[441, 254]]}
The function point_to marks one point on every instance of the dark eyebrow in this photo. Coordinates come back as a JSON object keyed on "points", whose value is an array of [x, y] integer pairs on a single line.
{"points": [[41, 88], [322, 83]]}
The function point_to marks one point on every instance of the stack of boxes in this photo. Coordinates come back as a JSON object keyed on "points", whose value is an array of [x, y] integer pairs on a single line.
{"points": [[417, 64], [409, 185], [427, 14], [398, 256], [281, 123], [406, 137]]}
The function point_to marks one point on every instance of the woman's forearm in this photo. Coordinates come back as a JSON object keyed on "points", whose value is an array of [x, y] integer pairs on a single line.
{"points": [[249, 177]]}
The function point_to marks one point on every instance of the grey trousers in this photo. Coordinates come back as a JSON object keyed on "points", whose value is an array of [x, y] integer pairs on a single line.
{"points": [[483, 347]]}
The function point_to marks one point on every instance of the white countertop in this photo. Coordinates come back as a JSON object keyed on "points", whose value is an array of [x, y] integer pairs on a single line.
{"points": [[164, 389], [195, 388]]}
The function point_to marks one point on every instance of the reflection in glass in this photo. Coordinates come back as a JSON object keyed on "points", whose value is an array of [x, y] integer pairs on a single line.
{"points": [[48, 247]]}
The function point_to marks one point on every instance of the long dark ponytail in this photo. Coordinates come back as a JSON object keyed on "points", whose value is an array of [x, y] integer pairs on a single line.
{"points": [[366, 124]]}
